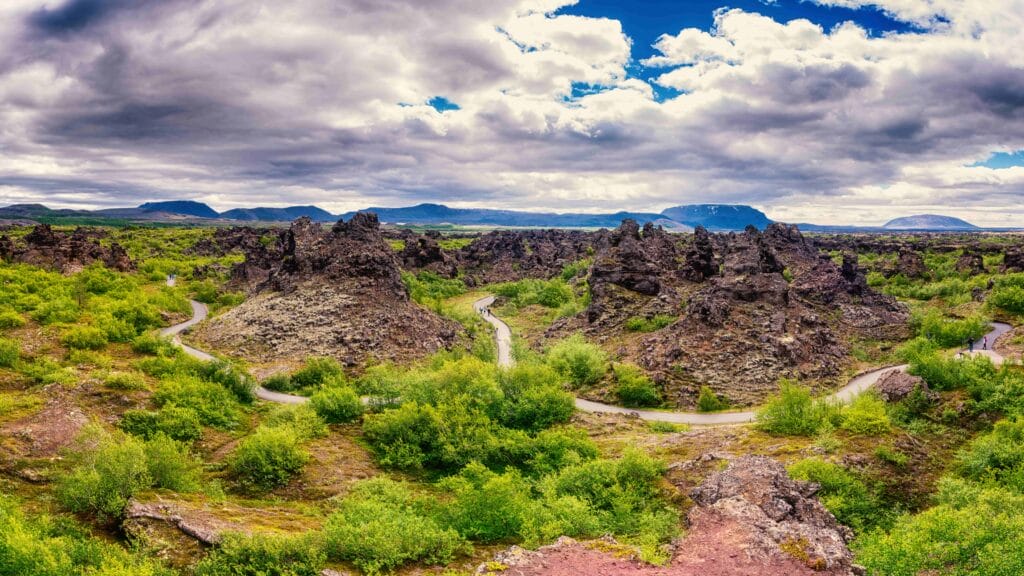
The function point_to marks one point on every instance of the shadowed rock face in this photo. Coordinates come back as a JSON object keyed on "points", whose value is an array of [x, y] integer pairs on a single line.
{"points": [[65, 252], [424, 253], [327, 292], [505, 255]]}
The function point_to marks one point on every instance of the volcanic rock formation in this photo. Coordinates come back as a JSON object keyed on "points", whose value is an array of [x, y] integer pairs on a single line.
{"points": [[65, 252], [327, 292]]}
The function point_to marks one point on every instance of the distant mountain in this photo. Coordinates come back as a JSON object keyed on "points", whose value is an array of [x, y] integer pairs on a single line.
{"points": [[279, 214], [928, 222], [182, 207], [441, 214], [718, 216]]}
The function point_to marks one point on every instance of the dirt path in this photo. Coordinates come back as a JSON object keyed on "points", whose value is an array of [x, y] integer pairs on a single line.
{"points": [[503, 340], [858, 384]]}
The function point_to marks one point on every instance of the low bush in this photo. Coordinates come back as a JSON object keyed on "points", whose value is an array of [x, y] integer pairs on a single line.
{"points": [[708, 401], [278, 383], [263, 555], [998, 455], [214, 404], [892, 456], [948, 332], [1008, 298], [381, 525], [84, 338], [108, 469], [578, 360], [154, 345], [301, 418], [124, 381], [10, 352], [268, 458], [337, 404], [866, 416], [176, 422], [792, 412], [40, 545], [553, 293], [843, 493], [532, 398], [315, 372], [634, 388], [11, 319], [642, 324]]}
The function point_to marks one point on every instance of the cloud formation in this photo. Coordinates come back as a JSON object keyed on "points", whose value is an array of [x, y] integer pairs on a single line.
{"points": [[109, 102]]}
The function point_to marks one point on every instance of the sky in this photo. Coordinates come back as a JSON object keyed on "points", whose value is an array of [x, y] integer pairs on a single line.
{"points": [[825, 111]]}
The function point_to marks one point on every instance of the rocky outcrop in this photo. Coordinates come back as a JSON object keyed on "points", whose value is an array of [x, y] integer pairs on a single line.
{"points": [[896, 385], [753, 307], [505, 255], [773, 516], [424, 253], [970, 263], [333, 292], [911, 265], [65, 252], [749, 520], [227, 240], [1013, 259]]}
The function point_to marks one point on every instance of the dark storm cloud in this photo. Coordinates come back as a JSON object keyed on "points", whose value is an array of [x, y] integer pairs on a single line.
{"points": [[72, 15]]}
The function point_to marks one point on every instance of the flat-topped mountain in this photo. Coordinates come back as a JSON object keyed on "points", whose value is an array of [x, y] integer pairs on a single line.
{"points": [[928, 222], [718, 217]]}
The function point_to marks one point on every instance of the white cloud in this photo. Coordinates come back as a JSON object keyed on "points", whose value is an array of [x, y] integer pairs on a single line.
{"points": [[239, 103]]}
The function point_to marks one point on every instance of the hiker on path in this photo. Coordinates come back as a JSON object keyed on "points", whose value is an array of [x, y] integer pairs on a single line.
{"points": [[970, 345], [984, 344]]}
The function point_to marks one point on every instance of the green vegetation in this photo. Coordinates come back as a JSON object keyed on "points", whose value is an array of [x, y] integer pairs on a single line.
{"points": [[708, 401], [581, 362], [792, 412], [263, 555], [866, 416], [10, 352], [337, 404], [429, 289], [652, 324], [843, 493], [634, 388], [1008, 293], [268, 458], [555, 295], [946, 332], [55, 546], [108, 469], [176, 422]]}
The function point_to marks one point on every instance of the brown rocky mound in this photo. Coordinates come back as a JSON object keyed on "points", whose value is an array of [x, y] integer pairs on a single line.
{"points": [[750, 519], [63, 251], [504, 255], [326, 292], [896, 385], [752, 308]]}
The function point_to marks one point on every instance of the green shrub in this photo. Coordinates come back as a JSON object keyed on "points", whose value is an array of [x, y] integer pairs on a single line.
{"points": [[891, 456], [176, 422], [301, 418], [948, 332], [552, 450], [1009, 298], [170, 465], [315, 372], [10, 352], [634, 388], [998, 455], [268, 458], [642, 324], [973, 529], [153, 344], [427, 287], [337, 404], [845, 495], [44, 546], [214, 404], [532, 398], [660, 427], [263, 555], [866, 416], [708, 401], [124, 381], [792, 412], [11, 319], [578, 360], [57, 310], [553, 293], [236, 381], [108, 469], [382, 525], [84, 338], [278, 383]]}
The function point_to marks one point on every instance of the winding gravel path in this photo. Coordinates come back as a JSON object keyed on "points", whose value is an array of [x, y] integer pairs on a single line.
{"points": [[503, 340], [858, 384]]}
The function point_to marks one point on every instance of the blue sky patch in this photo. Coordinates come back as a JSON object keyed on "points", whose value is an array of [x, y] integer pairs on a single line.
{"points": [[1001, 160], [442, 104]]}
